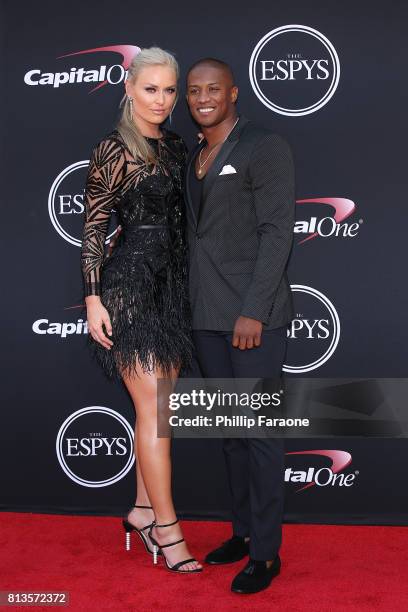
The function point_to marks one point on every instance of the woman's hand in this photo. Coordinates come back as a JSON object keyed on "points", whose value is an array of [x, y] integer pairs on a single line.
{"points": [[98, 315]]}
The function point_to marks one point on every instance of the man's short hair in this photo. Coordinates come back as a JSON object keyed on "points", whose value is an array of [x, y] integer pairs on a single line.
{"points": [[216, 63]]}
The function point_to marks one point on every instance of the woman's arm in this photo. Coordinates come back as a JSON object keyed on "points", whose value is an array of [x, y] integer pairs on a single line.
{"points": [[107, 169]]}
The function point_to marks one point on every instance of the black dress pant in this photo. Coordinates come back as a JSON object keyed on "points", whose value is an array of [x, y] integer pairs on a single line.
{"points": [[254, 465]]}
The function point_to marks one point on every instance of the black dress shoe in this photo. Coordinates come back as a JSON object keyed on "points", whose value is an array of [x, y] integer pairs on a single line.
{"points": [[230, 551], [255, 576]]}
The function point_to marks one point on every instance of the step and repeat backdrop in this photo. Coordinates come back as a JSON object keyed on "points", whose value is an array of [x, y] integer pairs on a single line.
{"points": [[327, 77]]}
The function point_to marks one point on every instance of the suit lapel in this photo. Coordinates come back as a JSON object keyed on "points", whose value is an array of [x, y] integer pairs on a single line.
{"points": [[222, 156], [192, 155]]}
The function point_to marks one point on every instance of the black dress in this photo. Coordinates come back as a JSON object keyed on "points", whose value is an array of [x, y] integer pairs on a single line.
{"points": [[143, 284]]}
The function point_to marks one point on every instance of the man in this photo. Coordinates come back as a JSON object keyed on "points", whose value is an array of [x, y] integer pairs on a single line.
{"points": [[240, 215]]}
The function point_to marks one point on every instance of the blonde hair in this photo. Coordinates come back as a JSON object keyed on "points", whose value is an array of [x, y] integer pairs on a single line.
{"points": [[132, 136]]}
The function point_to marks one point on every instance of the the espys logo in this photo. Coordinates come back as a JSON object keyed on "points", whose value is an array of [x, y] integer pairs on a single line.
{"points": [[66, 203], [102, 74], [314, 333], [95, 446], [330, 225], [325, 476], [294, 70]]}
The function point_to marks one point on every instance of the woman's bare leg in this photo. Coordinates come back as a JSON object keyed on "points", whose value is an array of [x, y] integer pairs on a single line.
{"points": [[140, 517], [155, 461]]}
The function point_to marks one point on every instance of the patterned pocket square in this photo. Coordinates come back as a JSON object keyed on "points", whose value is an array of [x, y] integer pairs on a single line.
{"points": [[228, 170]]}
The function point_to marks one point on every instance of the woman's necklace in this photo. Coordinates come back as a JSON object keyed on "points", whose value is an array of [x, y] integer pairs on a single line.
{"points": [[202, 164]]}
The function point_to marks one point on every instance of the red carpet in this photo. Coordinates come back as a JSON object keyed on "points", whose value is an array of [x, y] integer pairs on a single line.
{"points": [[324, 568]]}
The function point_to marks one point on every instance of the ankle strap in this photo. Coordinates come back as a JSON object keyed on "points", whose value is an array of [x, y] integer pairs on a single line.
{"points": [[168, 524], [171, 543], [145, 507]]}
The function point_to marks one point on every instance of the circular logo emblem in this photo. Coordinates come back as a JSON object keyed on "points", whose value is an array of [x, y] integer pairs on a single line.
{"points": [[314, 333], [66, 205], [95, 446], [294, 70]]}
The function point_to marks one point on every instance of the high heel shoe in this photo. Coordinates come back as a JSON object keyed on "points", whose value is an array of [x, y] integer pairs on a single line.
{"points": [[128, 527], [157, 549]]}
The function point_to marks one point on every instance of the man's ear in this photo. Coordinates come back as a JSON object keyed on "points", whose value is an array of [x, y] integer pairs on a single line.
{"points": [[234, 93]]}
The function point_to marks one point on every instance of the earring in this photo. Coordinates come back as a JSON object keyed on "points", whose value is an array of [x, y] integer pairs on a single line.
{"points": [[130, 106]]}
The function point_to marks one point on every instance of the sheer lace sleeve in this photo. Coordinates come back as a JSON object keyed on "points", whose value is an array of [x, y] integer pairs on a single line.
{"points": [[106, 173]]}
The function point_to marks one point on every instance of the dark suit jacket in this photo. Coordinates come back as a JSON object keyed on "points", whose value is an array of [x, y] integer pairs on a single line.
{"points": [[240, 244]]}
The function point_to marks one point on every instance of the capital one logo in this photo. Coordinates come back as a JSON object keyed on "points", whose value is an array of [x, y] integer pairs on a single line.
{"points": [[314, 333], [102, 74], [294, 70], [66, 204], [325, 476], [62, 330], [95, 446], [330, 225]]}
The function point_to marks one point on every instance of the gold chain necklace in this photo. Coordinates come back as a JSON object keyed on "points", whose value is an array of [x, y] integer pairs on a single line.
{"points": [[202, 164]]}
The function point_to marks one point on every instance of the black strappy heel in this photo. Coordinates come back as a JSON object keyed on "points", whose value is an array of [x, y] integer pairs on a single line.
{"points": [[157, 549], [128, 527]]}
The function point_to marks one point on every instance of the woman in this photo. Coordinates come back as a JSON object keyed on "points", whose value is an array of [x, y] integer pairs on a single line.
{"points": [[136, 300]]}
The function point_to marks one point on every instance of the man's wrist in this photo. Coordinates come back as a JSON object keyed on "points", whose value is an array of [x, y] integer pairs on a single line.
{"points": [[257, 316], [251, 318]]}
